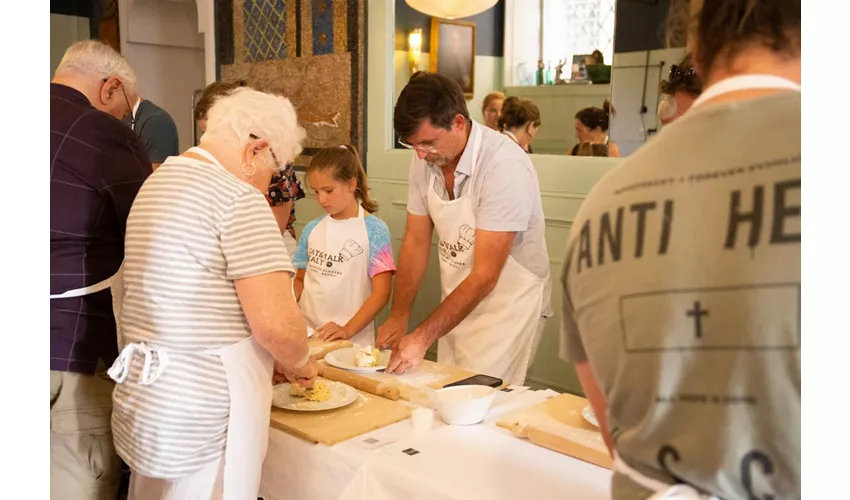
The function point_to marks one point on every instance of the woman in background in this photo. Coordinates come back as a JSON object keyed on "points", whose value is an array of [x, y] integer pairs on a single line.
{"points": [[678, 92], [491, 108], [592, 126], [284, 189], [520, 120]]}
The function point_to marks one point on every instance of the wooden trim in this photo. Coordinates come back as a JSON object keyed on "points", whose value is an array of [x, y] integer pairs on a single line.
{"points": [[107, 24], [435, 46]]}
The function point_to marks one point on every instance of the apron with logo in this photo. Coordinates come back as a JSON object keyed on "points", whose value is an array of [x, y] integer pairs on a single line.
{"points": [[496, 338], [248, 368], [743, 82], [337, 283]]}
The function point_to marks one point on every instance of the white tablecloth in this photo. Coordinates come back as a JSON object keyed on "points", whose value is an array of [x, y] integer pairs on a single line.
{"points": [[451, 463]]}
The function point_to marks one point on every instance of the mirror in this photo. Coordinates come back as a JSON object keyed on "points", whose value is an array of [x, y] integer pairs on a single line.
{"points": [[590, 52]]}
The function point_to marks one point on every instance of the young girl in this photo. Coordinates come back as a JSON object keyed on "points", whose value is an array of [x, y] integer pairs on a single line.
{"points": [[344, 259]]}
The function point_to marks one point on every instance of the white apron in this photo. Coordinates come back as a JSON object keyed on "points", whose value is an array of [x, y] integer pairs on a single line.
{"points": [[743, 82], [496, 338], [249, 369], [337, 283]]}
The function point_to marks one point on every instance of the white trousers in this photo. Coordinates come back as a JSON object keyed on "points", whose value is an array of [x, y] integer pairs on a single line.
{"points": [[204, 484]]}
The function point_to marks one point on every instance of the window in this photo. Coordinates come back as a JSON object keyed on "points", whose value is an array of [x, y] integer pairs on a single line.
{"points": [[570, 27]]}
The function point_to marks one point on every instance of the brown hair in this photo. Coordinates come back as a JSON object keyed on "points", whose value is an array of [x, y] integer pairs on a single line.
{"points": [[518, 111], [492, 96], [723, 28], [592, 149], [683, 78], [593, 117], [428, 96], [344, 162], [212, 92]]}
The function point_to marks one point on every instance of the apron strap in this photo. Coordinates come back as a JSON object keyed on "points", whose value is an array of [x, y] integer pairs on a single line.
{"points": [[88, 290], [206, 154], [120, 369]]}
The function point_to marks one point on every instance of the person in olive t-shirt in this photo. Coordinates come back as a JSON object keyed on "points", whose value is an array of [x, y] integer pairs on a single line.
{"points": [[682, 277]]}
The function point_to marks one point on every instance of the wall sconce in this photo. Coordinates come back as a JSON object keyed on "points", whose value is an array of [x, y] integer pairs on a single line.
{"points": [[414, 49]]}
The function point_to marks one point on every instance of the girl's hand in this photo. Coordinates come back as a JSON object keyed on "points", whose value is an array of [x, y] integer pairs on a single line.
{"points": [[331, 331]]}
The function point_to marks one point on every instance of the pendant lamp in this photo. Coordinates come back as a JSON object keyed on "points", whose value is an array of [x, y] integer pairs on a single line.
{"points": [[451, 9]]}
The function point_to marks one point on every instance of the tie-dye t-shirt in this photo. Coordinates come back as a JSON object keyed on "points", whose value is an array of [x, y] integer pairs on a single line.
{"points": [[380, 246]]}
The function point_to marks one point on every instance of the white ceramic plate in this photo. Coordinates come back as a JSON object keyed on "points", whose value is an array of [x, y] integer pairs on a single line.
{"points": [[588, 415], [344, 360], [343, 395]]}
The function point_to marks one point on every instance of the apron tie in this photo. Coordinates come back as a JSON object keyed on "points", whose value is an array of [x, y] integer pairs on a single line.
{"points": [[120, 369]]}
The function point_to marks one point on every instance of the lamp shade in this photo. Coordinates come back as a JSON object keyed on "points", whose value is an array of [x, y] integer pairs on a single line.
{"points": [[451, 9]]}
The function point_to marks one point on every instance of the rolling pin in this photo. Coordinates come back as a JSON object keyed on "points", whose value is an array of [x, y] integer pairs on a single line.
{"points": [[384, 388], [319, 348]]}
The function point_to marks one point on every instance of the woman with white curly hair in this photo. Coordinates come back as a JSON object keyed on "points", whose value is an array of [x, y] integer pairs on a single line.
{"points": [[207, 309]]}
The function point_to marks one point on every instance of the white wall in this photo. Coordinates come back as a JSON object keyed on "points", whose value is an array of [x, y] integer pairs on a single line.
{"points": [[488, 77], [628, 126], [160, 39], [65, 30], [522, 42]]}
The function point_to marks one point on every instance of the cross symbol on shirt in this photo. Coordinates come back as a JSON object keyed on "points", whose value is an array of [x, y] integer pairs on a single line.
{"points": [[697, 313]]}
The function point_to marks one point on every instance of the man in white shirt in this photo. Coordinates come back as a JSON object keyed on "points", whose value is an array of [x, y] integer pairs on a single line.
{"points": [[480, 191]]}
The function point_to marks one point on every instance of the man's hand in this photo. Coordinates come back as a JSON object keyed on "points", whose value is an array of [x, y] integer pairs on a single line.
{"points": [[393, 329], [332, 331], [407, 354]]}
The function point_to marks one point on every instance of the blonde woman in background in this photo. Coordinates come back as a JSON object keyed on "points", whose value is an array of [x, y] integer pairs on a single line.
{"points": [[491, 108], [208, 309]]}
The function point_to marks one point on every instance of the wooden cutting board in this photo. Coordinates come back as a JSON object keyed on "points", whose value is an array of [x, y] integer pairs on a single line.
{"points": [[429, 374], [558, 424], [333, 426]]}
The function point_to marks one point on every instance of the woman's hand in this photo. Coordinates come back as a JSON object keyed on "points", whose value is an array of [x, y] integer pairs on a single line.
{"points": [[306, 375], [332, 331]]}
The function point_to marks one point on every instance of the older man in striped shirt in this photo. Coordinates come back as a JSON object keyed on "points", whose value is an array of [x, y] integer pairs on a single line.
{"points": [[97, 166]]}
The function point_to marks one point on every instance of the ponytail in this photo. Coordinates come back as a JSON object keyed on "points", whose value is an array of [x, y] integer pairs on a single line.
{"points": [[344, 162], [362, 191]]}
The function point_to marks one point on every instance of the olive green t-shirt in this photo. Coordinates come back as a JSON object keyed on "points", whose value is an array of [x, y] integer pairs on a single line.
{"points": [[682, 290]]}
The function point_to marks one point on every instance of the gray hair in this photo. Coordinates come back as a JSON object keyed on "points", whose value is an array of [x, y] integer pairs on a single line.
{"points": [[98, 59], [246, 112]]}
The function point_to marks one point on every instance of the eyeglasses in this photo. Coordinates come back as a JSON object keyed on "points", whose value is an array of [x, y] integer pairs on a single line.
{"points": [[129, 107], [277, 166], [424, 148]]}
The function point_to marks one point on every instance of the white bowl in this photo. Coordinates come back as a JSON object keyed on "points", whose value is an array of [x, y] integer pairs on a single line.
{"points": [[463, 405]]}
